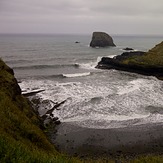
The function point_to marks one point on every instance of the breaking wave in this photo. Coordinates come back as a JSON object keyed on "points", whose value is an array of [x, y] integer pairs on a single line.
{"points": [[46, 66], [101, 103], [76, 75]]}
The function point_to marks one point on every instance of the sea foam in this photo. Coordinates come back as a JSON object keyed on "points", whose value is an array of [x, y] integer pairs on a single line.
{"points": [[76, 75]]}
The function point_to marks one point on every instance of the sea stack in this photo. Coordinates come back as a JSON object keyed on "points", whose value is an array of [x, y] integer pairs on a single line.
{"points": [[101, 39]]}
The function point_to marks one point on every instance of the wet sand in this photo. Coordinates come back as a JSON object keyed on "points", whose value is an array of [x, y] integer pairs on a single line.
{"points": [[129, 141]]}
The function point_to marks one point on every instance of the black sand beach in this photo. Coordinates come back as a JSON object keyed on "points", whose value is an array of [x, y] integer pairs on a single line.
{"points": [[129, 141]]}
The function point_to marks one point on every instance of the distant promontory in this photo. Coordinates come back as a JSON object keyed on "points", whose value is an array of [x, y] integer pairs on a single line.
{"points": [[147, 63], [101, 39]]}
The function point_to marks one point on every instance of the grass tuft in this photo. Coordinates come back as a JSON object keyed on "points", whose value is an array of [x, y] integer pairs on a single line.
{"points": [[153, 58]]}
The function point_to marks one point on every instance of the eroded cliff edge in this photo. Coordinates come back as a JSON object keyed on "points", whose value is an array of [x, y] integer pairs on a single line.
{"points": [[147, 63]]}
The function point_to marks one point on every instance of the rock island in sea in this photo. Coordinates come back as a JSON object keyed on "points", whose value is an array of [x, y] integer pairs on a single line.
{"points": [[101, 39]]}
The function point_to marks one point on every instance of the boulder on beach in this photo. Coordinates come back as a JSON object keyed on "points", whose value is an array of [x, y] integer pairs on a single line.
{"points": [[101, 39]]}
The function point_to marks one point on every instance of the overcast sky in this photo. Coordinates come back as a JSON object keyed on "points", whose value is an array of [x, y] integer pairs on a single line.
{"points": [[82, 16]]}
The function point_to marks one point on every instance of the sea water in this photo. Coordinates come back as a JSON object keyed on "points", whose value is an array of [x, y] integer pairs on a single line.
{"points": [[66, 71]]}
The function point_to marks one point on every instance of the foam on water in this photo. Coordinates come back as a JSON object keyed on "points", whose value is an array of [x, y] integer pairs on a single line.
{"points": [[134, 85], [112, 56], [90, 65], [76, 75], [102, 103]]}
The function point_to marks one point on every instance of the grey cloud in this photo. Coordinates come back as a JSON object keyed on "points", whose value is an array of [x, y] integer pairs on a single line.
{"points": [[81, 16], [130, 8]]}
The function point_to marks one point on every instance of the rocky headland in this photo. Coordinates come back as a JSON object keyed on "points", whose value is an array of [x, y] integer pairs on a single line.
{"points": [[101, 39], [147, 63]]}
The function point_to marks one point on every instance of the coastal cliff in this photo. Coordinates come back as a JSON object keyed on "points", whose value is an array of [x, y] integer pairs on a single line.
{"points": [[22, 137], [147, 63]]}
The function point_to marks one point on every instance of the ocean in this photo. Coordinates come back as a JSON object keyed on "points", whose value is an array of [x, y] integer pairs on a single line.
{"points": [[66, 70]]}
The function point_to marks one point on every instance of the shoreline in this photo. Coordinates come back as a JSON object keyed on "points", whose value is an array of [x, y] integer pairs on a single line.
{"points": [[115, 142], [145, 63]]}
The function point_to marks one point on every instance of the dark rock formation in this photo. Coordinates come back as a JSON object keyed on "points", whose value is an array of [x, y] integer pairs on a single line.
{"points": [[126, 62], [128, 49], [101, 39], [8, 82], [116, 62], [127, 55], [57, 122]]}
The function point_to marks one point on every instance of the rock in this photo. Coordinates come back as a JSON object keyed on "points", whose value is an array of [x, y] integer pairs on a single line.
{"points": [[32, 93], [57, 105], [49, 121], [127, 55], [44, 117], [115, 62], [57, 122], [8, 82], [146, 63], [128, 49], [77, 42], [55, 118], [4, 67], [101, 39]]}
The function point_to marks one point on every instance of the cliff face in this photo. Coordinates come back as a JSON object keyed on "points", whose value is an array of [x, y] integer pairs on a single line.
{"points": [[149, 63], [8, 82], [21, 138], [101, 39]]}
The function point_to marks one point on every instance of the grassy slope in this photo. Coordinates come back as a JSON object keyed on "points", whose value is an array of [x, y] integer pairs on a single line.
{"points": [[153, 57], [21, 139]]}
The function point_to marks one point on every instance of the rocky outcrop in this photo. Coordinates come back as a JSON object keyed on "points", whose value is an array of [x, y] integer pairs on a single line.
{"points": [[8, 82], [147, 63], [128, 49], [21, 133], [101, 39]]}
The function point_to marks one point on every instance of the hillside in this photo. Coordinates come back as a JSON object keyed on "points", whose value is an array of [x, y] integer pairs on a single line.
{"points": [[147, 63], [21, 132], [153, 58]]}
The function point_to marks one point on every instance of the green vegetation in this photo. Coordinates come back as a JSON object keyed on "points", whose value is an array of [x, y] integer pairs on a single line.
{"points": [[153, 58], [21, 139], [148, 159]]}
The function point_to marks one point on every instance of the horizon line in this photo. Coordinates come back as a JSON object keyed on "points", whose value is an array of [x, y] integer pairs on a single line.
{"points": [[112, 34]]}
